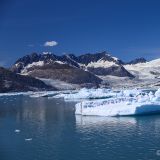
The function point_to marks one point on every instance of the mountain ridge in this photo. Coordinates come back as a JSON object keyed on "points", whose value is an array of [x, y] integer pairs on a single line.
{"points": [[11, 82], [87, 70], [85, 62]]}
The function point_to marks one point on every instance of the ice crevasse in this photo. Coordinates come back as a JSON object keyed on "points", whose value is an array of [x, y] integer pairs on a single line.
{"points": [[124, 105]]}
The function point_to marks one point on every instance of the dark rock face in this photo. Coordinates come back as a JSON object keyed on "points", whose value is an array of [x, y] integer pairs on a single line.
{"points": [[34, 57], [65, 73], [119, 71], [47, 58], [88, 58], [137, 60], [11, 82], [70, 59]]}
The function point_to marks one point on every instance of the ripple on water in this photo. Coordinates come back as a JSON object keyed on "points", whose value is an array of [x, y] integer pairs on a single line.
{"points": [[58, 134]]}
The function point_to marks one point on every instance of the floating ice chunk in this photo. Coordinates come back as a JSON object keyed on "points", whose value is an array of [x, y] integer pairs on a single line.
{"points": [[15, 93], [157, 93], [49, 94], [17, 130], [151, 95], [119, 109], [43, 94], [28, 139], [87, 94], [131, 93], [100, 93], [138, 103]]}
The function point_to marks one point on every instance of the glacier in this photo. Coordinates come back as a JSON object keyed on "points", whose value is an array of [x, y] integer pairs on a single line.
{"points": [[126, 103]]}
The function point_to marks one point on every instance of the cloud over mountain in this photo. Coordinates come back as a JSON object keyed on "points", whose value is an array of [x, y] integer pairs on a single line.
{"points": [[50, 43]]}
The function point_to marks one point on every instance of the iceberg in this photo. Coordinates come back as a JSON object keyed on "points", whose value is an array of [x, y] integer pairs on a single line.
{"points": [[100, 93], [43, 94], [16, 93], [28, 139], [124, 105], [17, 131], [49, 94]]}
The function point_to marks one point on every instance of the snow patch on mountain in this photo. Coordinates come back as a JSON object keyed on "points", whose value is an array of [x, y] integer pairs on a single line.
{"points": [[148, 70], [45, 53], [101, 63], [25, 69], [60, 62]]}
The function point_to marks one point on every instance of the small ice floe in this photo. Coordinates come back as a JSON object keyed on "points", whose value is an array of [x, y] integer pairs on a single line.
{"points": [[17, 131], [43, 94], [28, 139]]}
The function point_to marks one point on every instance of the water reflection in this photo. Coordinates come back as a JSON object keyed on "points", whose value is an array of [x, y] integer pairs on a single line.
{"points": [[35, 113], [136, 136], [105, 125], [97, 120], [128, 126], [57, 133]]}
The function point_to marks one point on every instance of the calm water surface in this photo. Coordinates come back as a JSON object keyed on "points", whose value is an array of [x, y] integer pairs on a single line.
{"points": [[55, 133]]}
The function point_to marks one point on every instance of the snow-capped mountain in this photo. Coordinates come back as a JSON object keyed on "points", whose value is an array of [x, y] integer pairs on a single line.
{"points": [[52, 67], [88, 69], [93, 58], [98, 64], [102, 64], [137, 60]]}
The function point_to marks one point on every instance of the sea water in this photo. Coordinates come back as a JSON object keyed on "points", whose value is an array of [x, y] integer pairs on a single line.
{"points": [[48, 129]]}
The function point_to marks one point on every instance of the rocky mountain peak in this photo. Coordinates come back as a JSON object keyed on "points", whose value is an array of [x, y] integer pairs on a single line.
{"points": [[102, 61], [138, 60]]}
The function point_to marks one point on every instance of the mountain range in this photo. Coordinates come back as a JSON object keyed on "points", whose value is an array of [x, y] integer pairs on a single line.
{"points": [[48, 71]]}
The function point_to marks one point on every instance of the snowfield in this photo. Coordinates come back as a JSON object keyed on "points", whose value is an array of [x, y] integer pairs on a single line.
{"points": [[101, 63], [148, 70]]}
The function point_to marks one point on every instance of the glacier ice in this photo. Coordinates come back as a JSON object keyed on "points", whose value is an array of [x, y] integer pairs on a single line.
{"points": [[17, 131], [129, 102], [105, 102], [100, 93], [16, 93], [43, 94], [84, 93], [28, 139]]}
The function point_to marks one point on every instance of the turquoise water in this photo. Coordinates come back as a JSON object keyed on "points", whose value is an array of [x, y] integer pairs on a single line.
{"points": [[53, 132]]}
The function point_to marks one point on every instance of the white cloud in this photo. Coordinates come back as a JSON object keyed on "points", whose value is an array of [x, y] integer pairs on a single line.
{"points": [[50, 44]]}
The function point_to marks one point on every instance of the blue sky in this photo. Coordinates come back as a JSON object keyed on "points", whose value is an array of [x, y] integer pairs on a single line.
{"points": [[125, 28]]}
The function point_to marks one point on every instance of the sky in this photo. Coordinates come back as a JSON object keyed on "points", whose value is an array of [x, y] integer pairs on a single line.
{"points": [[126, 29]]}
